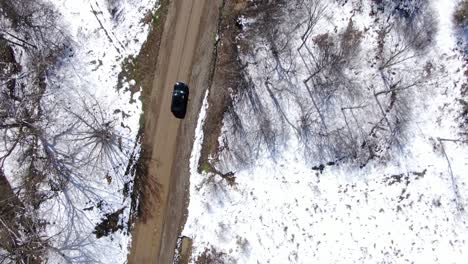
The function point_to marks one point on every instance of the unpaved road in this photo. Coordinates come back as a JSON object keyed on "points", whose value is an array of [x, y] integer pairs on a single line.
{"points": [[185, 55]]}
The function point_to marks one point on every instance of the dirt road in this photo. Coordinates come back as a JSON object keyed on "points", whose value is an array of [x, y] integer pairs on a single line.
{"points": [[185, 55]]}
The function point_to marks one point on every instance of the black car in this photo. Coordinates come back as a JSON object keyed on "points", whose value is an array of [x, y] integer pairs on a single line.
{"points": [[179, 99]]}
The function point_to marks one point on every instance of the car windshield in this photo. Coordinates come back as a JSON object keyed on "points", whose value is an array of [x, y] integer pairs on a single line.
{"points": [[178, 99]]}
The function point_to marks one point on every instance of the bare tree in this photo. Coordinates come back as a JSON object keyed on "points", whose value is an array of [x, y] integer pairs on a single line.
{"points": [[337, 115], [64, 147]]}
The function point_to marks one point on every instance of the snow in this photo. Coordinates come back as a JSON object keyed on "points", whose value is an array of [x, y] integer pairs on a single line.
{"points": [[100, 42], [100, 35], [197, 145], [403, 209], [287, 213], [446, 37]]}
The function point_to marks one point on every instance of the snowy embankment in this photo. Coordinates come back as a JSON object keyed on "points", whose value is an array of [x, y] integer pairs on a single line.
{"points": [[87, 127], [403, 203]]}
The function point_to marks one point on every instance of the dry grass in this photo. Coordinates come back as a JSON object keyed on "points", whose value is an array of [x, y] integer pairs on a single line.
{"points": [[461, 14]]}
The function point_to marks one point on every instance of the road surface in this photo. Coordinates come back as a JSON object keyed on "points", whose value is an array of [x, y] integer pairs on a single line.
{"points": [[185, 55]]}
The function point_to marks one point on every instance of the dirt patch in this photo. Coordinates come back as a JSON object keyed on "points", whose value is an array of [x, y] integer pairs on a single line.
{"points": [[8, 67], [10, 12], [226, 76], [137, 68], [109, 224], [183, 250], [211, 256], [186, 250], [9, 204], [141, 69], [461, 14], [14, 221], [229, 78]]}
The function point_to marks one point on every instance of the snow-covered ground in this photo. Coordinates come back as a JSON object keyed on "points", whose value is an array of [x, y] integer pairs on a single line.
{"points": [[408, 205], [95, 38], [103, 34]]}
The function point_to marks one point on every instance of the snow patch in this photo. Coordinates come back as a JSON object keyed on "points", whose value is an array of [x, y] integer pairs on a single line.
{"points": [[408, 208]]}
